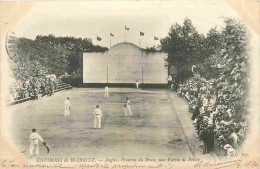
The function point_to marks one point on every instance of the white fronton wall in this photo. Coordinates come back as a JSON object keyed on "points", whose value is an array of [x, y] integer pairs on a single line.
{"points": [[125, 63]]}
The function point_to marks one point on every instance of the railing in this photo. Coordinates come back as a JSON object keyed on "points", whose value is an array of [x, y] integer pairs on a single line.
{"points": [[60, 87]]}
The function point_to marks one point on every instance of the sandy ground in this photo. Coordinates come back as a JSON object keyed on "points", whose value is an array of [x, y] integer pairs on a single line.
{"points": [[160, 126]]}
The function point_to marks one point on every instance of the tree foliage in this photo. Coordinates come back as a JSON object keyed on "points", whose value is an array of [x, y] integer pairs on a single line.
{"points": [[52, 58], [234, 73], [74, 46], [221, 55], [184, 45], [213, 54], [152, 49], [53, 55]]}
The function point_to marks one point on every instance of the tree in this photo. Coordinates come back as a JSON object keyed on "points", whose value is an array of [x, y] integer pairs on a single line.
{"points": [[213, 54], [74, 47], [236, 68], [184, 46], [51, 58], [152, 49]]}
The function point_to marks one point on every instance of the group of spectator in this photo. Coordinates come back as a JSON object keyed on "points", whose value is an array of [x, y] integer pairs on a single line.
{"points": [[213, 115], [33, 87]]}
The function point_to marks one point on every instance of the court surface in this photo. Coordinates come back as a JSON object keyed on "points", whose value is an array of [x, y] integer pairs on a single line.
{"points": [[160, 126]]}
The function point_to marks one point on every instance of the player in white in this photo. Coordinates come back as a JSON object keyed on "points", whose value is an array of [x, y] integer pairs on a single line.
{"points": [[128, 108], [67, 107], [34, 140], [106, 92], [137, 84], [98, 117]]}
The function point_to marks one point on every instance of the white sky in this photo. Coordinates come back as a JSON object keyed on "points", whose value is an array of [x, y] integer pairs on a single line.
{"points": [[99, 18]]}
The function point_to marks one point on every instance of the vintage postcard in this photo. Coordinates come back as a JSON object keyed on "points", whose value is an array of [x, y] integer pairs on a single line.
{"points": [[130, 84]]}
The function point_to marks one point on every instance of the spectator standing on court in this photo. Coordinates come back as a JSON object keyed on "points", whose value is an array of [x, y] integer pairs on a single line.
{"points": [[169, 81], [137, 84], [204, 136], [106, 92]]}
